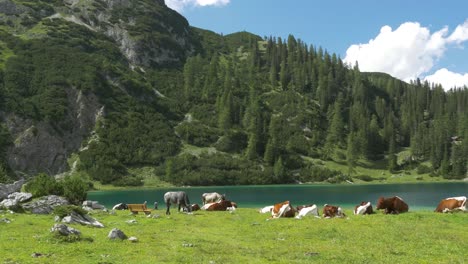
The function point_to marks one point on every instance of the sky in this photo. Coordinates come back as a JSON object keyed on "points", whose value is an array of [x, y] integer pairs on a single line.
{"points": [[408, 39]]}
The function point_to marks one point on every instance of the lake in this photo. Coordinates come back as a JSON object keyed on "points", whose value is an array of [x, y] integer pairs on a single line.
{"points": [[421, 196]]}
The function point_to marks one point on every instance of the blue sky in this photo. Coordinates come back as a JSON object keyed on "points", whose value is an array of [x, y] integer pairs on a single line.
{"points": [[408, 39]]}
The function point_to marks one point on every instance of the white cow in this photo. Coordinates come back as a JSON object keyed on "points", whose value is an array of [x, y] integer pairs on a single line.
{"points": [[310, 210]]}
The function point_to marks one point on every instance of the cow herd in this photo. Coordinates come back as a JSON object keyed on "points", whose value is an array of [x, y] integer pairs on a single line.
{"points": [[392, 205], [217, 202]]}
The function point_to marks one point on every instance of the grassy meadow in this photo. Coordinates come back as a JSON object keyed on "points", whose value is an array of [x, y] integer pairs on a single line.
{"points": [[243, 236]]}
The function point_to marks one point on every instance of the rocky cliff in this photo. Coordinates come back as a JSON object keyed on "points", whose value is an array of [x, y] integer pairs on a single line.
{"points": [[146, 32]]}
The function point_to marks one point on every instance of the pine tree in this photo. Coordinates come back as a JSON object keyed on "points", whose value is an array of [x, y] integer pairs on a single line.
{"points": [[335, 133]]}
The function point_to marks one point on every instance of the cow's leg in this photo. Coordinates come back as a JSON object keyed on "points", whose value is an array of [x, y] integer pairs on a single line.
{"points": [[167, 210]]}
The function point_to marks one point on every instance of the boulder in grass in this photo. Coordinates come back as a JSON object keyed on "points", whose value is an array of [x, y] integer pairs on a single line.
{"points": [[116, 234], [76, 218], [64, 230], [45, 205]]}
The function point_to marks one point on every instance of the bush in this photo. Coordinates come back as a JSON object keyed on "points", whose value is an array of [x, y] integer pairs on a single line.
{"points": [[129, 181], [365, 178], [43, 185], [423, 169], [75, 189], [64, 210]]}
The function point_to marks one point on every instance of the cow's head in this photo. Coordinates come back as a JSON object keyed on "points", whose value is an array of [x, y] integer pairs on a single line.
{"points": [[380, 203]]}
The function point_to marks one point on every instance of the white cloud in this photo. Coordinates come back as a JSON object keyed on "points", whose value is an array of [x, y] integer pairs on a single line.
{"points": [[448, 79], [408, 52], [179, 5]]}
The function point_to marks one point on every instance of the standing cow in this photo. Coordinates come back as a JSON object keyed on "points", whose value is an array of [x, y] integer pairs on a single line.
{"points": [[392, 205], [179, 198], [213, 197]]}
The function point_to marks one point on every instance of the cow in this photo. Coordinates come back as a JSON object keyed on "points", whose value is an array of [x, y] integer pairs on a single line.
{"points": [[179, 198], [392, 205], [223, 205], [363, 208], [307, 210], [120, 206], [266, 209], [195, 207], [452, 204], [330, 211], [283, 209], [212, 197]]}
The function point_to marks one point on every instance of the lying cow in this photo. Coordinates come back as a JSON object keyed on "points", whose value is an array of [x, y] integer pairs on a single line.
{"points": [[266, 209], [363, 208], [311, 210], [393, 205], [120, 206], [213, 197], [283, 209], [223, 205], [330, 211], [195, 207], [452, 204]]}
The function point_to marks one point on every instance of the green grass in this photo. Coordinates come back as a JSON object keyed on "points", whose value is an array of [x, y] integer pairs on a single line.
{"points": [[244, 236]]}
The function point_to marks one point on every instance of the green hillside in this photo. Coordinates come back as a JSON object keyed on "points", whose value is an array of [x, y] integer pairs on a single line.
{"points": [[105, 89]]}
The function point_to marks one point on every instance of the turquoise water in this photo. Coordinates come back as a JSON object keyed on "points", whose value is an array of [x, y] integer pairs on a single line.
{"points": [[424, 196]]}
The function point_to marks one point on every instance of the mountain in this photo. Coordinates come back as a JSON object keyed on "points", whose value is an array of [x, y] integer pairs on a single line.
{"points": [[103, 87]]}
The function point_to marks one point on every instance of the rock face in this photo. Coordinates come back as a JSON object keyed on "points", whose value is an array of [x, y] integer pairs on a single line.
{"points": [[39, 147], [45, 205], [7, 189], [172, 43], [75, 218]]}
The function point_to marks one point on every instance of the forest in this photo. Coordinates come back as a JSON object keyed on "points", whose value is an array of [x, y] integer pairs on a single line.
{"points": [[241, 109]]}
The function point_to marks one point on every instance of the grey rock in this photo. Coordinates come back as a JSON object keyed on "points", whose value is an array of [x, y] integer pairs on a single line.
{"points": [[45, 205], [64, 230], [5, 220], [116, 234], [20, 197], [7, 189], [133, 239], [75, 218]]}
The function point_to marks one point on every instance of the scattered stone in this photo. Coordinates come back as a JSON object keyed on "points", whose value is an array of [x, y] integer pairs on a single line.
{"points": [[38, 255], [64, 230], [187, 245], [311, 253], [76, 218], [156, 216], [57, 218], [5, 220], [133, 221], [133, 239], [116, 234]]}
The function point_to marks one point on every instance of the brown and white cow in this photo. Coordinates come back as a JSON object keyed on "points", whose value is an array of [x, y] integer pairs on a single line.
{"points": [[330, 211], [283, 209], [363, 208], [392, 205], [223, 205], [452, 204], [306, 210], [266, 209]]}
